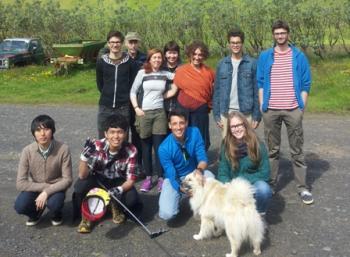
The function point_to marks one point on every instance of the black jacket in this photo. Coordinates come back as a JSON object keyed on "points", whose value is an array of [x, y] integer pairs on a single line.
{"points": [[114, 81]]}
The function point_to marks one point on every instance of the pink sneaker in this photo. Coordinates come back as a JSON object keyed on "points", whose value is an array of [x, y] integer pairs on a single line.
{"points": [[160, 184], [146, 184]]}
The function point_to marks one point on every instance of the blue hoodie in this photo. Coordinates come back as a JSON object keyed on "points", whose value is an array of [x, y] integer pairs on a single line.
{"points": [[301, 75]]}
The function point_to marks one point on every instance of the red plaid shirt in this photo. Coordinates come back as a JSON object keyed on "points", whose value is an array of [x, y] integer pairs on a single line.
{"points": [[123, 164]]}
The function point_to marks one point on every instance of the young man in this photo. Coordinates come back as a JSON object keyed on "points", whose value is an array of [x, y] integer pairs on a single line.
{"points": [[115, 73], [284, 82], [181, 153], [44, 174], [111, 162], [235, 84]]}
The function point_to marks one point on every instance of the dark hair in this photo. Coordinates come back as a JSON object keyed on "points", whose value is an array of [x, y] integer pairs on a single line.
{"points": [[280, 24], [171, 46], [179, 113], [235, 33], [190, 49], [44, 121], [116, 121], [117, 34], [147, 66]]}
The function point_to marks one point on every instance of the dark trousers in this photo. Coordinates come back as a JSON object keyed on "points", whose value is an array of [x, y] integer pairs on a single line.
{"points": [[199, 118], [135, 138], [25, 203], [82, 186], [147, 144]]}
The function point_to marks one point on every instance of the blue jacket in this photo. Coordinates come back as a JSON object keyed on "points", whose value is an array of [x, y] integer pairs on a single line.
{"points": [[172, 158], [301, 75], [248, 100]]}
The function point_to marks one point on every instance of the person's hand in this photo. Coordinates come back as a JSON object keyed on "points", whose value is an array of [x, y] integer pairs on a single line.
{"points": [[41, 200], [89, 148], [139, 112], [116, 192], [255, 124], [186, 190], [219, 124]]}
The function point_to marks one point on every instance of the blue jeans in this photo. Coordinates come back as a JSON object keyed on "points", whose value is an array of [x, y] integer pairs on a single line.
{"points": [[169, 199], [25, 203], [262, 195]]}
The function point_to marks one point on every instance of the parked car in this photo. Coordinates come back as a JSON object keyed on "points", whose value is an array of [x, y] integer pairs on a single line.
{"points": [[20, 51]]}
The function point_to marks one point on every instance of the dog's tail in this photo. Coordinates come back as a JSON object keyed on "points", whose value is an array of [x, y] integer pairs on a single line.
{"points": [[241, 192]]}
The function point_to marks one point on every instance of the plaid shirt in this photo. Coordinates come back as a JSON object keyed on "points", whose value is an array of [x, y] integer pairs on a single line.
{"points": [[121, 165]]}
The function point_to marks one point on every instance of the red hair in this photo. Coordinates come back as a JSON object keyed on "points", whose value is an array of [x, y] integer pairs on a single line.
{"points": [[147, 66]]}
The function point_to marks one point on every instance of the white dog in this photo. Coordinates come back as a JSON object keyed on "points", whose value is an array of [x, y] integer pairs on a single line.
{"points": [[229, 207]]}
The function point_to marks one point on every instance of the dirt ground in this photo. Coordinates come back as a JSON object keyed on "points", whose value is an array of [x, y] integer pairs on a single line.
{"points": [[294, 229]]}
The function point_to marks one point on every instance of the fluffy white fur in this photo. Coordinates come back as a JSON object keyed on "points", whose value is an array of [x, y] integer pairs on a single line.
{"points": [[229, 207]]}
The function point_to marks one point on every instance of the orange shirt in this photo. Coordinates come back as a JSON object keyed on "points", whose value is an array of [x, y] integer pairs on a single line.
{"points": [[197, 84]]}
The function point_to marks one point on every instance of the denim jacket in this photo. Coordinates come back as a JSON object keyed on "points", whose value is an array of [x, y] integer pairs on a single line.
{"points": [[246, 85], [301, 75]]}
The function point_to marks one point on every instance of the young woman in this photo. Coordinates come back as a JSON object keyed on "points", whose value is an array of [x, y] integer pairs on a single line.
{"points": [[147, 97], [171, 62], [195, 81], [242, 155]]}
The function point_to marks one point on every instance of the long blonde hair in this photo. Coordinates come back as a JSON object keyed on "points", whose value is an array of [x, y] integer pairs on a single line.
{"points": [[231, 143]]}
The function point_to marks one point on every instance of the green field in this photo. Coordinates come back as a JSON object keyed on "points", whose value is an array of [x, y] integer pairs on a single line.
{"points": [[37, 85]]}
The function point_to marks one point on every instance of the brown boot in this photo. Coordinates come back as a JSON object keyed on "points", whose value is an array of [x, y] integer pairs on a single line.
{"points": [[117, 214], [84, 226]]}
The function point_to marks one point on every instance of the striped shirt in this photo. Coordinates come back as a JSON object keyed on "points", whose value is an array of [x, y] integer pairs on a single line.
{"points": [[153, 86], [282, 88]]}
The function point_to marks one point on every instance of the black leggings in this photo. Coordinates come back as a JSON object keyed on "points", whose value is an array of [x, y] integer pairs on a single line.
{"points": [[83, 186], [147, 144]]}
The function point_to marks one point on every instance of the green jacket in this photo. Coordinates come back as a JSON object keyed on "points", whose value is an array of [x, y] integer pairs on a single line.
{"points": [[246, 168]]}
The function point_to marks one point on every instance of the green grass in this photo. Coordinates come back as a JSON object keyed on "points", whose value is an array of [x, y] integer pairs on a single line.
{"points": [[39, 85], [330, 90]]}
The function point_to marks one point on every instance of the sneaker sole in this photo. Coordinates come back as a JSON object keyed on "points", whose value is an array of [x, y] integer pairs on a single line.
{"points": [[145, 190], [32, 223], [308, 202], [56, 223]]}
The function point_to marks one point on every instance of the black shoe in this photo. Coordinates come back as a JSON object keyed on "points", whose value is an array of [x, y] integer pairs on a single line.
{"points": [[35, 220], [57, 219]]}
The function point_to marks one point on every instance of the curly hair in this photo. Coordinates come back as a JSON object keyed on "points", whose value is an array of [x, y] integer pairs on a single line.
{"points": [[191, 48], [250, 138]]}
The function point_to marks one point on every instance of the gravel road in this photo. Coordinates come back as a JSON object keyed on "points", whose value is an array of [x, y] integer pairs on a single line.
{"points": [[293, 228]]}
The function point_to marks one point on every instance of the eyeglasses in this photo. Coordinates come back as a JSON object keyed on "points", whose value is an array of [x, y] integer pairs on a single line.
{"points": [[114, 42], [237, 43], [280, 33], [237, 126], [184, 152]]}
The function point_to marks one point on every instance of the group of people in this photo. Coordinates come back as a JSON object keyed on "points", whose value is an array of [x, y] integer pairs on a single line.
{"points": [[165, 106]]}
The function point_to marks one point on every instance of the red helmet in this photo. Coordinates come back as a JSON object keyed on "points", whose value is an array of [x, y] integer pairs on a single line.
{"points": [[95, 203]]}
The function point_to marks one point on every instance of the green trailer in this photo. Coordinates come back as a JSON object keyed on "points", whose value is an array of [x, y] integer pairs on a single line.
{"points": [[76, 52]]}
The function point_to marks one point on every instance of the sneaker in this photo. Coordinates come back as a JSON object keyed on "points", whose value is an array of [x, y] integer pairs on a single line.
{"points": [[306, 197], [146, 184], [57, 219], [118, 217], [160, 184], [33, 221], [84, 226]]}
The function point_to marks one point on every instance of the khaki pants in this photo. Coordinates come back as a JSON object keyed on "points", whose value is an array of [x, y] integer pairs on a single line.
{"points": [[292, 119]]}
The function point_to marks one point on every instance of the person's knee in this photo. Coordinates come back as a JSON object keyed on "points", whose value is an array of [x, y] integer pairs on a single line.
{"points": [[262, 190], [20, 206], [55, 202]]}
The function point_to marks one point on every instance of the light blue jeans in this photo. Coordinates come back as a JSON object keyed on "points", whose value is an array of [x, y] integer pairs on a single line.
{"points": [[169, 199], [262, 195]]}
